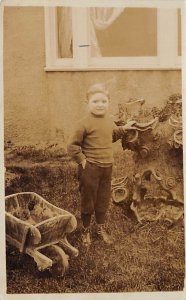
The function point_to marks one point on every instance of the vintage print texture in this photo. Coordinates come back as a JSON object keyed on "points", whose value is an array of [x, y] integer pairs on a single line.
{"points": [[93, 149]]}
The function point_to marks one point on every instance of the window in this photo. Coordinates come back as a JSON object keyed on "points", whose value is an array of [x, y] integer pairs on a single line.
{"points": [[112, 38], [115, 40]]}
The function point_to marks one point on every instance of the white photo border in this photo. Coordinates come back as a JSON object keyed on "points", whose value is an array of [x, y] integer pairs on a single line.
{"points": [[80, 3]]}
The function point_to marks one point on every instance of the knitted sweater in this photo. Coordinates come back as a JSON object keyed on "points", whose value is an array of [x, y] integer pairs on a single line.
{"points": [[92, 140]]}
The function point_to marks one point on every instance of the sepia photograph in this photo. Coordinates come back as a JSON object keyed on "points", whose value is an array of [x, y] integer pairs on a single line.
{"points": [[93, 147]]}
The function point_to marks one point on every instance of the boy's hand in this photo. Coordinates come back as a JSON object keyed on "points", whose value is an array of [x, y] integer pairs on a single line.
{"points": [[129, 125], [83, 163]]}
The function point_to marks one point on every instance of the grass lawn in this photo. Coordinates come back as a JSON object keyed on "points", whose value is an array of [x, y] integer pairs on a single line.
{"points": [[144, 257]]}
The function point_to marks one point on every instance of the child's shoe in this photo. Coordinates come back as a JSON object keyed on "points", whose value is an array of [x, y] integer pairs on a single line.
{"points": [[101, 232], [86, 237]]}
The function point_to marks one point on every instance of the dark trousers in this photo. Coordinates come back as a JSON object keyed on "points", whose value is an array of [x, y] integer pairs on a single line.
{"points": [[95, 190]]}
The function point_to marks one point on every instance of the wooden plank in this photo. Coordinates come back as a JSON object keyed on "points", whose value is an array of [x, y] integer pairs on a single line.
{"points": [[24, 238], [13, 241], [42, 261], [17, 230]]}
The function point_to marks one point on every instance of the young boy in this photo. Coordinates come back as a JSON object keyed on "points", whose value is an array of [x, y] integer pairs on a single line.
{"points": [[91, 148]]}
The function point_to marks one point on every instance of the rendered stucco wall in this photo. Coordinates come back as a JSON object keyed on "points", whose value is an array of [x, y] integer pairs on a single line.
{"points": [[25, 89], [39, 105]]}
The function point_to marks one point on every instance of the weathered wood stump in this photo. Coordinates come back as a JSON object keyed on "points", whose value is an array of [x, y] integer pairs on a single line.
{"points": [[156, 187]]}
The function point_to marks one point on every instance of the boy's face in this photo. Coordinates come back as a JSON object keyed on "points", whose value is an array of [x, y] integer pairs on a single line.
{"points": [[98, 104]]}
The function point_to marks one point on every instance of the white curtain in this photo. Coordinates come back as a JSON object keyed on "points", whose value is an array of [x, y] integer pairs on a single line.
{"points": [[100, 19], [64, 17]]}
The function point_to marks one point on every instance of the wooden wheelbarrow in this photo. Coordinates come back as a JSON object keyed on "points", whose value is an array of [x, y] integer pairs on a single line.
{"points": [[38, 228]]}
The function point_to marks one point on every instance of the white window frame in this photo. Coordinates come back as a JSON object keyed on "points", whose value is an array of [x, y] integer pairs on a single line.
{"points": [[167, 45]]}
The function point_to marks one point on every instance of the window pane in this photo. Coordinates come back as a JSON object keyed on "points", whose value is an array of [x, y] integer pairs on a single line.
{"points": [[132, 33], [64, 32], [179, 32]]}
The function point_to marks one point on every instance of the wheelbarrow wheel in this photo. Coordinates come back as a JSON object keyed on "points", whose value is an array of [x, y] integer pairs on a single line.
{"points": [[59, 260]]}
